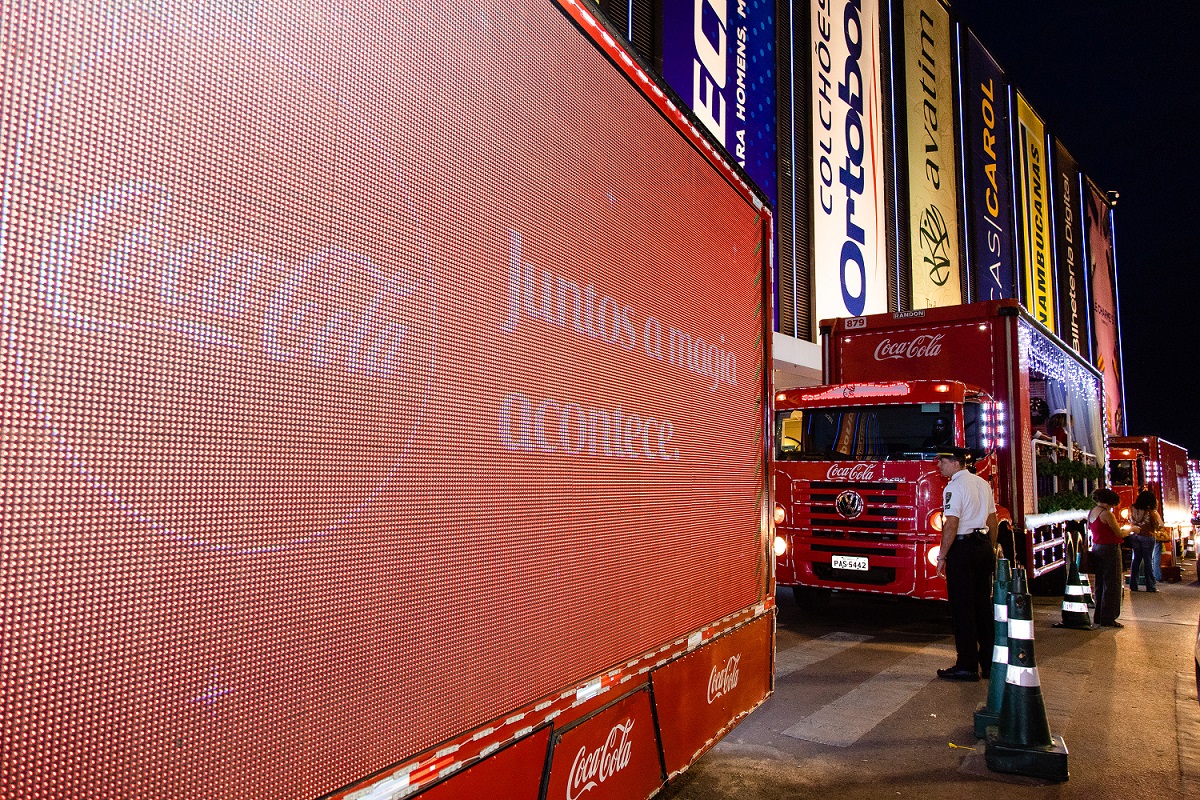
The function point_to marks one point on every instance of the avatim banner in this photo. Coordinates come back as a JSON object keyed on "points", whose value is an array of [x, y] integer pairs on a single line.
{"points": [[849, 245], [932, 184], [1033, 201]]}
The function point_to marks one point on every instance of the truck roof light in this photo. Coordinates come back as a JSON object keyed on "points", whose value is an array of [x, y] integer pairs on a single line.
{"points": [[941, 387]]}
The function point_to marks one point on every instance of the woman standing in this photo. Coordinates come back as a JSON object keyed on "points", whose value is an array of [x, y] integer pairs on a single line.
{"points": [[1146, 550], [1106, 557]]}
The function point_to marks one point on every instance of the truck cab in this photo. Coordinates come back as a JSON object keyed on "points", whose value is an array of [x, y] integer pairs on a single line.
{"points": [[858, 495], [987, 376]]}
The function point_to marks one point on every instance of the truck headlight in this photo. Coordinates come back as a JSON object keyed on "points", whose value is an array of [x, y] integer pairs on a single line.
{"points": [[780, 514], [780, 546], [935, 520], [932, 555]]}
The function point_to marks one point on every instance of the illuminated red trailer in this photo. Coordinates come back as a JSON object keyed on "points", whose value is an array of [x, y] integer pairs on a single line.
{"points": [[383, 407], [858, 496]]}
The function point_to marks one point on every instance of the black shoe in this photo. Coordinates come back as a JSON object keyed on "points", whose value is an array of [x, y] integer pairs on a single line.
{"points": [[958, 674], [1113, 624], [1152, 590]]}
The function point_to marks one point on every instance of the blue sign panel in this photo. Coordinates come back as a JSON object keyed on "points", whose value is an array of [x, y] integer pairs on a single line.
{"points": [[989, 176], [719, 55]]}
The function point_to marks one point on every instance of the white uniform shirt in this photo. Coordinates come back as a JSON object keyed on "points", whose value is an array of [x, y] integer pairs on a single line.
{"points": [[968, 497]]}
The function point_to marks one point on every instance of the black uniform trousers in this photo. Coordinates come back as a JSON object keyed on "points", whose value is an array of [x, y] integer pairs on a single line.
{"points": [[969, 566]]}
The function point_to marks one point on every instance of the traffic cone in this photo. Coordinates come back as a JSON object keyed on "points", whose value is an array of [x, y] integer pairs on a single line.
{"points": [[1087, 589], [1074, 606], [989, 713], [1021, 742]]}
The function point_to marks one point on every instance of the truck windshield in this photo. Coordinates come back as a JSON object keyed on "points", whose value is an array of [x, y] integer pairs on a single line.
{"points": [[864, 432], [1121, 472]]}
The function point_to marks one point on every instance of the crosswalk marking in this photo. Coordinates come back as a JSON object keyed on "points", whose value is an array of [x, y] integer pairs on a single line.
{"points": [[808, 653], [847, 719]]}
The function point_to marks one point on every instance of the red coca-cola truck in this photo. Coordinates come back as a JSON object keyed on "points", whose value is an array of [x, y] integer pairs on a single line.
{"points": [[370, 426], [1141, 463], [858, 495]]}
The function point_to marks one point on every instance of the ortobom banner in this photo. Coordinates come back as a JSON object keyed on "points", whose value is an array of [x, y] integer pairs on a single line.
{"points": [[932, 187], [1073, 317], [1033, 200], [719, 55], [988, 171], [849, 246], [1106, 331]]}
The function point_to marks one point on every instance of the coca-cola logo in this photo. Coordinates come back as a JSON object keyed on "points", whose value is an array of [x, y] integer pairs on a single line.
{"points": [[853, 472], [925, 345], [594, 767], [228, 319], [723, 679]]}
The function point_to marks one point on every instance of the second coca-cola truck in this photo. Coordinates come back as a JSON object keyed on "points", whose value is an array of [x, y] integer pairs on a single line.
{"points": [[1141, 463], [858, 495], [368, 425]]}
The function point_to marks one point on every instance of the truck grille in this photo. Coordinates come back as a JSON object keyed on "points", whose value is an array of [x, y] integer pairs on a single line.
{"points": [[888, 508]]}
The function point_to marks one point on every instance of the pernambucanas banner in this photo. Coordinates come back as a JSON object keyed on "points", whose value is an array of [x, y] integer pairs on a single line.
{"points": [[1106, 327], [1033, 203], [989, 220], [932, 156], [719, 55], [1073, 300], [849, 237]]}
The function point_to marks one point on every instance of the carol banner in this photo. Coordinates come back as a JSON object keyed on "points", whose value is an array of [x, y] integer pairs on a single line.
{"points": [[1033, 203], [1106, 326], [932, 183], [1073, 305], [989, 221], [719, 55], [849, 245]]}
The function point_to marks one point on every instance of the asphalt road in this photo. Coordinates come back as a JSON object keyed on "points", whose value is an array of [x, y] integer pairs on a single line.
{"points": [[858, 711]]}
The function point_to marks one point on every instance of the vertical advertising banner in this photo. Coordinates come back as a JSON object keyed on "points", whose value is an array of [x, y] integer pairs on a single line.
{"points": [[932, 186], [989, 176], [849, 248], [1073, 317], [1106, 332], [719, 55], [1033, 203]]}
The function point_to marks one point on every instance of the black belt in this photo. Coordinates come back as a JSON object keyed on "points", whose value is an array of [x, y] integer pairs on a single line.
{"points": [[977, 532]]}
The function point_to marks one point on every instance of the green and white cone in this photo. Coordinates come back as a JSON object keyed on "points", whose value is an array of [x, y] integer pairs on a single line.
{"points": [[1075, 600], [989, 714], [1021, 743]]}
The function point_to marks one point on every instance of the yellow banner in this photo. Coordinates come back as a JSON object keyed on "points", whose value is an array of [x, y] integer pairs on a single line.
{"points": [[1033, 190], [932, 188]]}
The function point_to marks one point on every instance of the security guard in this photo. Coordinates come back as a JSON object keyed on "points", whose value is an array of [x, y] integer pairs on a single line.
{"points": [[966, 561]]}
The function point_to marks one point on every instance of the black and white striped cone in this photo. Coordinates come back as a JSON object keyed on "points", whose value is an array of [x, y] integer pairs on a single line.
{"points": [[989, 713], [1075, 601], [1021, 743], [1087, 588]]}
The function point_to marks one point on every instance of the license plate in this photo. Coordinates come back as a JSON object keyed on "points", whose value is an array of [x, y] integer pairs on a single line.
{"points": [[850, 562]]}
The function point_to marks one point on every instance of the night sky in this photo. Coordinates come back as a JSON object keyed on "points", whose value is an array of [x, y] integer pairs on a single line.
{"points": [[1119, 83]]}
